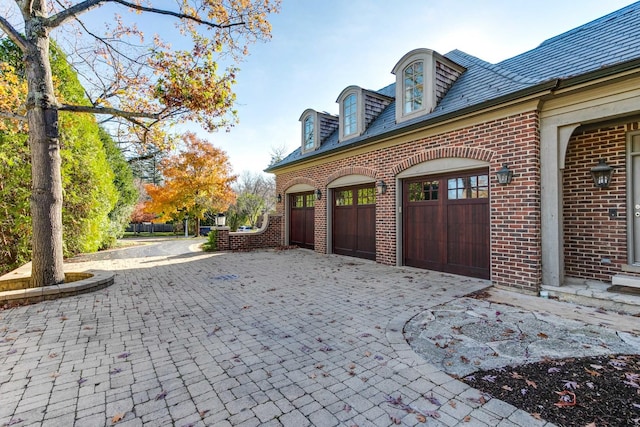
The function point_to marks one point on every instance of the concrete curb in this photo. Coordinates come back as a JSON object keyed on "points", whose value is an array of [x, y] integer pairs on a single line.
{"points": [[91, 280]]}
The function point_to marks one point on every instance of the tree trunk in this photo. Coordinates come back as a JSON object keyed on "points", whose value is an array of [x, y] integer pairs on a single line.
{"points": [[46, 190]]}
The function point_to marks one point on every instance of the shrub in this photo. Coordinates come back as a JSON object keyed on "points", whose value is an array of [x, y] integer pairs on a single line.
{"points": [[211, 245]]}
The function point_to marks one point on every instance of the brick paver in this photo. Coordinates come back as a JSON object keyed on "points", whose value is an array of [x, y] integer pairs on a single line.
{"points": [[287, 338]]}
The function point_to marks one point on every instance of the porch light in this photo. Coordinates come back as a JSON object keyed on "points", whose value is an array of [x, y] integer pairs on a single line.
{"points": [[381, 187], [318, 194], [504, 175], [221, 220], [601, 174], [279, 198]]}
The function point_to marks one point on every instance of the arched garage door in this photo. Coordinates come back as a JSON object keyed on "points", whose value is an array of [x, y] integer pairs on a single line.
{"points": [[354, 221], [301, 219], [446, 223]]}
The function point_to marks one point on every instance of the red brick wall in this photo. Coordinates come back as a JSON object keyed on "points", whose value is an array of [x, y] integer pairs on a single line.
{"points": [[271, 237], [595, 245], [515, 208]]}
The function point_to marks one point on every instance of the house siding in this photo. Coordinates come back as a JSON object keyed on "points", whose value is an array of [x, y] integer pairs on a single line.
{"points": [[595, 244], [515, 208]]}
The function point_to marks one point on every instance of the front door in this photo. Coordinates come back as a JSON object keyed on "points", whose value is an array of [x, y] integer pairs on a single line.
{"points": [[302, 219], [634, 161]]}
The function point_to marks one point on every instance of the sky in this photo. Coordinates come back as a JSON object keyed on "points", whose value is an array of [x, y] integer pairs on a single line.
{"points": [[318, 48]]}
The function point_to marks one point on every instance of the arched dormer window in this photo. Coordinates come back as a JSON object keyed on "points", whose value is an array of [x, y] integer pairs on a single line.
{"points": [[349, 115], [309, 133], [413, 82], [423, 78], [316, 127]]}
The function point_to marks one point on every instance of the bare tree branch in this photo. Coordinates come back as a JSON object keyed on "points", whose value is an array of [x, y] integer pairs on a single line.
{"points": [[72, 12], [14, 35], [109, 111], [13, 116]]}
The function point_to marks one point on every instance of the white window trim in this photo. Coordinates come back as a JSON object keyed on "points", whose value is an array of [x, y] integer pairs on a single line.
{"points": [[429, 83], [357, 91], [316, 132]]}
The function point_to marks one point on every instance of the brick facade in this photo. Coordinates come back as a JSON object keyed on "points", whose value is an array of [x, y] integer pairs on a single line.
{"points": [[515, 209], [595, 243]]}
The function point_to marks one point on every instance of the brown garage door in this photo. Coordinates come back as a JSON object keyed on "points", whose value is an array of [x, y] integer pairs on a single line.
{"points": [[446, 223], [301, 219], [354, 221]]}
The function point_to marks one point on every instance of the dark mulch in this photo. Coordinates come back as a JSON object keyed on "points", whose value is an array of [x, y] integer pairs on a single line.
{"points": [[590, 391]]}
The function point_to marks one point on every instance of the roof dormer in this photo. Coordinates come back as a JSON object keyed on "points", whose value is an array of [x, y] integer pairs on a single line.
{"points": [[316, 127], [358, 108], [423, 77]]}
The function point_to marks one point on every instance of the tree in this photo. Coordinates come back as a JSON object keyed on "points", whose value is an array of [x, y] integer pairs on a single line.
{"points": [[196, 180], [142, 84], [96, 180], [255, 195]]}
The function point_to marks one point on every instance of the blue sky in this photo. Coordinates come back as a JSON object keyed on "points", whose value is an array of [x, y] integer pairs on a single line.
{"points": [[321, 47]]}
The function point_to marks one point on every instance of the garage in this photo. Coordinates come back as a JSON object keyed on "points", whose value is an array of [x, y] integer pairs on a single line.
{"points": [[301, 219], [446, 223], [354, 221]]}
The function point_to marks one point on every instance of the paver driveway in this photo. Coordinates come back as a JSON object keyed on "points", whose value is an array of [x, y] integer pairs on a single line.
{"points": [[262, 338]]}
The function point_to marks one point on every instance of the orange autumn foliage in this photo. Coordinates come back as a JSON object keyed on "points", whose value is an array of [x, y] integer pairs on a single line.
{"points": [[196, 180]]}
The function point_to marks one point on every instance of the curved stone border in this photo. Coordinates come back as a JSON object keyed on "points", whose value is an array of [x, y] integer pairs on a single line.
{"points": [[98, 280]]}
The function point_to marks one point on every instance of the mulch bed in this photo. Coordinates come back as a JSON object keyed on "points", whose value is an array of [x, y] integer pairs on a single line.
{"points": [[583, 392]]}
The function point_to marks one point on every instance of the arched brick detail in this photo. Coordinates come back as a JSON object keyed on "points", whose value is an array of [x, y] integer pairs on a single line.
{"points": [[443, 152], [299, 180], [351, 170]]}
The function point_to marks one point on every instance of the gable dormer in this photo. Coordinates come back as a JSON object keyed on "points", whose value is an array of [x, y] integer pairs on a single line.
{"points": [[358, 108], [316, 127], [423, 77]]}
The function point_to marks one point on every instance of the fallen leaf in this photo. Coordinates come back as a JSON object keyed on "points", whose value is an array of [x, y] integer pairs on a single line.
{"points": [[531, 383], [506, 387], [367, 353], [516, 375], [452, 403], [347, 408], [542, 335], [395, 420], [203, 413], [421, 418], [467, 419], [434, 400], [567, 398], [352, 366], [161, 395], [593, 373], [117, 417]]}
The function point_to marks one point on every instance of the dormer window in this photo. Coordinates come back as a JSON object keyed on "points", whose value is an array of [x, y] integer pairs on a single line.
{"points": [[309, 133], [358, 108], [349, 115], [316, 127], [423, 78], [413, 87]]}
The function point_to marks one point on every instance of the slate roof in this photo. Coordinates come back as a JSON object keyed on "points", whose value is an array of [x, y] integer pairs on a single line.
{"points": [[605, 42]]}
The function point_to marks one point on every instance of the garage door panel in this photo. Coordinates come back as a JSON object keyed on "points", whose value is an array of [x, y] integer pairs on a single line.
{"points": [[302, 220], [354, 222], [446, 223], [366, 237]]}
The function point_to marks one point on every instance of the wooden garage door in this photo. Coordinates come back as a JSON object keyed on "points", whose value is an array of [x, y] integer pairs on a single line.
{"points": [[446, 223], [354, 221], [301, 219]]}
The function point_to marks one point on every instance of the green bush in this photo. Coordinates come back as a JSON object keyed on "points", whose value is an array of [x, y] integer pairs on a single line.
{"points": [[211, 245]]}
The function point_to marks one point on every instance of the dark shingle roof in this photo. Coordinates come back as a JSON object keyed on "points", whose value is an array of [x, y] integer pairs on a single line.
{"points": [[610, 40]]}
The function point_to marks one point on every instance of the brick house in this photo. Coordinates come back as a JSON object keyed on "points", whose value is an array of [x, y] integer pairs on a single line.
{"points": [[408, 175]]}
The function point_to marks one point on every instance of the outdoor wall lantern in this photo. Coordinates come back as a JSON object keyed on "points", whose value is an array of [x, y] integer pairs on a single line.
{"points": [[318, 194], [504, 175], [601, 174], [221, 220], [279, 198], [381, 187]]}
